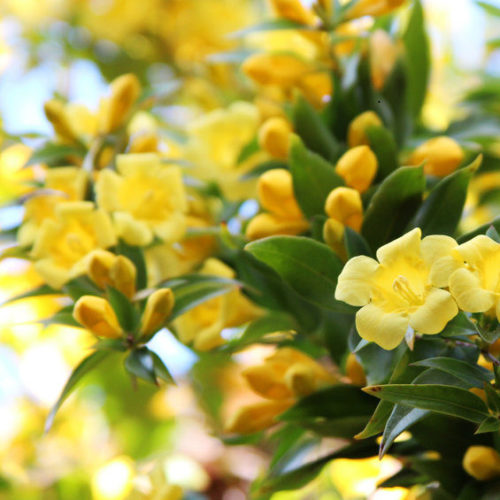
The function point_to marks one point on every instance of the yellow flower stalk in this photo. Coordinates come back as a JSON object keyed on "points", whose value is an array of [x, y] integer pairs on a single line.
{"points": [[475, 285], [97, 315], [482, 462], [356, 134], [115, 109], [146, 198], [293, 10], [397, 293], [285, 376], [62, 184], [344, 205], [63, 243], [275, 192], [373, 8], [442, 156], [274, 137], [158, 308], [358, 167]]}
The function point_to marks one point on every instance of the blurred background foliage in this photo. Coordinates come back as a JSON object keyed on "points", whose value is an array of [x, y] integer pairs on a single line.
{"points": [[112, 441]]}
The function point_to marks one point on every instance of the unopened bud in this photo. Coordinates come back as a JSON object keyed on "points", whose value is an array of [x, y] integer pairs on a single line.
{"points": [[358, 167], [344, 205], [97, 315], [274, 137], [123, 275], [158, 308], [56, 114], [482, 462], [356, 135], [442, 155]]}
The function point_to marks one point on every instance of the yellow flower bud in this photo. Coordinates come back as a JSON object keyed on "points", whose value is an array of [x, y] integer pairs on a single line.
{"points": [[275, 69], [267, 380], [344, 205], [56, 114], [99, 265], [123, 275], [275, 191], [441, 154], [482, 462], [354, 370], [144, 143], [383, 55], [292, 10], [97, 315], [263, 225], [124, 92], [356, 135], [301, 379], [358, 167], [317, 87], [373, 8], [333, 234], [158, 308], [274, 137]]}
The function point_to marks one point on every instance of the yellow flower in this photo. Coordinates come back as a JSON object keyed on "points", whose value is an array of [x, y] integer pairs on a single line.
{"points": [[344, 205], [482, 462], [202, 325], [158, 308], [55, 111], [373, 8], [475, 286], [97, 315], [63, 243], [285, 376], [61, 184], [275, 191], [397, 293], [442, 155], [115, 109], [107, 269], [383, 55], [274, 137], [13, 176], [293, 10], [358, 167], [356, 135], [146, 197]]}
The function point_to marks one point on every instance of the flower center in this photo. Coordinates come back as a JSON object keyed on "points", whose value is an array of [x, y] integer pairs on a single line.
{"points": [[402, 287]]}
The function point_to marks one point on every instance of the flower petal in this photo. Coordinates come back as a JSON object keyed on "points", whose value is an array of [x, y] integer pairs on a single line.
{"points": [[435, 246], [385, 329], [354, 283], [476, 250], [132, 231], [467, 291], [407, 245], [443, 268], [432, 316]]}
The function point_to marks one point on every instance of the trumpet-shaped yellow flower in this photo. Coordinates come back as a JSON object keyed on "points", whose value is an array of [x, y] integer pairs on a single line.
{"points": [[285, 376], [356, 135], [202, 325], [397, 292], [274, 137], [275, 192], [476, 285], [61, 184], [358, 167], [107, 269], [158, 308], [146, 198], [63, 243], [442, 156], [97, 315], [344, 205], [482, 462], [373, 8]]}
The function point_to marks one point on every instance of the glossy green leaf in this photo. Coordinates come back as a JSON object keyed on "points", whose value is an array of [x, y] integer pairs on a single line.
{"points": [[355, 244], [489, 424], [127, 314], [160, 369], [448, 400], [313, 178], [441, 211], [489, 7], [384, 146], [136, 255], [35, 292], [393, 205], [140, 363], [55, 155], [80, 286], [85, 366], [309, 267]]}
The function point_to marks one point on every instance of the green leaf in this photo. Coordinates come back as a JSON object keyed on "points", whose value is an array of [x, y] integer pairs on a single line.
{"points": [[441, 211], [489, 8], [56, 154], [258, 170], [339, 411], [85, 366], [313, 178], [489, 424], [448, 400], [472, 375], [355, 244], [110, 345], [160, 369], [309, 267], [78, 287], [35, 292], [136, 255], [125, 311], [248, 150], [459, 326], [393, 205], [311, 128], [140, 363], [405, 478], [418, 59], [493, 234], [62, 317], [384, 146], [492, 397]]}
